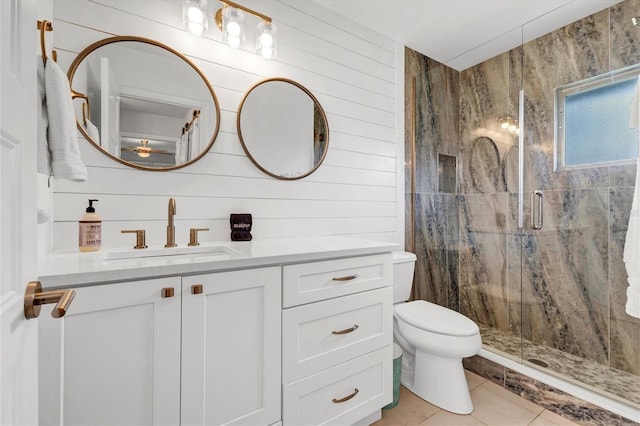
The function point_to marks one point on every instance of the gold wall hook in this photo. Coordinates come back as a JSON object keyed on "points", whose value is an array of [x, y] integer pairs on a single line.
{"points": [[34, 297]]}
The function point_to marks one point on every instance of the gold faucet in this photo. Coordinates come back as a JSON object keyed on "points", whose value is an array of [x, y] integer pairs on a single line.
{"points": [[171, 229]]}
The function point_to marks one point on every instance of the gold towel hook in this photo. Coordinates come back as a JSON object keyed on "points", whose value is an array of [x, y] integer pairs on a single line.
{"points": [[44, 26]]}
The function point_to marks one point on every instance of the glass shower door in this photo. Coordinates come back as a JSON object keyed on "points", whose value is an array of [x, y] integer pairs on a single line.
{"points": [[574, 202]]}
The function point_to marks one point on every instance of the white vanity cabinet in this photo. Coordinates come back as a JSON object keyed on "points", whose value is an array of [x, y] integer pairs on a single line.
{"points": [[114, 358], [337, 336], [194, 350], [231, 347], [291, 331]]}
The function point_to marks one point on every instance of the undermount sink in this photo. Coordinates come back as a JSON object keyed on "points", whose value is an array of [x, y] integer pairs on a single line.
{"points": [[131, 253]]}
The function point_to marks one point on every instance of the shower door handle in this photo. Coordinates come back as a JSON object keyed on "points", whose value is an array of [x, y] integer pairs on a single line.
{"points": [[537, 210]]}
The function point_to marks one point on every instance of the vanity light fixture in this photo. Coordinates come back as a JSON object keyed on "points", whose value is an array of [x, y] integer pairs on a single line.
{"points": [[194, 16], [229, 20]]}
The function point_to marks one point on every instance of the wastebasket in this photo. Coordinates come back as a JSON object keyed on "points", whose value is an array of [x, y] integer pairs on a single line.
{"points": [[397, 371]]}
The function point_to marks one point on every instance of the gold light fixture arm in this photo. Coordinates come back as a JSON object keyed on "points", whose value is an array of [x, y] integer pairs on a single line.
{"points": [[34, 297], [218, 17]]}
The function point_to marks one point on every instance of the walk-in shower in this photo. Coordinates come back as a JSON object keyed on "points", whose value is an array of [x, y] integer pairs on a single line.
{"points": [[531, 244]]}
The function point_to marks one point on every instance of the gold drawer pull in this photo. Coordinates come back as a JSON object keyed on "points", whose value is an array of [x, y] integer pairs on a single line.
{"points": [[346, 330], [196, 289], [34, 297], [347, 278], [346, 398], [168, 292]]}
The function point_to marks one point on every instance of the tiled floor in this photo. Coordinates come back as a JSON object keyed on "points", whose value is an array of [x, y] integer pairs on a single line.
{"points": [[493, 405]]}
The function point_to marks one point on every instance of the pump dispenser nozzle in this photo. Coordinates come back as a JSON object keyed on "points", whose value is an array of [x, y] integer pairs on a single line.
{"points": [[91, 209]]}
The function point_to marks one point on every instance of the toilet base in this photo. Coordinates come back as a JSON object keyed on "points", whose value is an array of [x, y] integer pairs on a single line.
{"points": [[441, 381]]}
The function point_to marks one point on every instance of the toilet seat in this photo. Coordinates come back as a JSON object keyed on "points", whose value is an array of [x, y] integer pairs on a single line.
{"points": [[435, 318]]}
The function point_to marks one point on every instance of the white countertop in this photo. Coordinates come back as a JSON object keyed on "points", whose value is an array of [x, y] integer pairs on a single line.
{"points": [[73, 269]]}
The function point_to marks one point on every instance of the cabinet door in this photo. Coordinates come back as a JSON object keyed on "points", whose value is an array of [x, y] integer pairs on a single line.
{"points": [[114, 358], [231, 348]]}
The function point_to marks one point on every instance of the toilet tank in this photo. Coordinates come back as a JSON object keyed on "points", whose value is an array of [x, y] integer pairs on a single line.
{"points": [[403, 266]]}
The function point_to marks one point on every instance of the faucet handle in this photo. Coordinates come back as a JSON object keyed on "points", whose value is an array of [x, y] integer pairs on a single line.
{"points": [[193, 236], [140, 237]]}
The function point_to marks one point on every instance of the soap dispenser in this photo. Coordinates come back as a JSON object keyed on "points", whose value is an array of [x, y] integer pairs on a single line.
{"points": [[90, 230]]}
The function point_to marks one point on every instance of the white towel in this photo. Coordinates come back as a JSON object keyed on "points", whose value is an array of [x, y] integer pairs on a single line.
{"points": [[631, 254], [92, 131], [44, 156], [62, 135]]}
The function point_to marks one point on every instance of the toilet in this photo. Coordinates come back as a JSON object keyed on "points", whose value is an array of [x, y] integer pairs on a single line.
{"points": [[434, 340]]}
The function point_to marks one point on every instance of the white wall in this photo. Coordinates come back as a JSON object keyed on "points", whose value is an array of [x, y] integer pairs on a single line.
{"points": [[355, 74]]}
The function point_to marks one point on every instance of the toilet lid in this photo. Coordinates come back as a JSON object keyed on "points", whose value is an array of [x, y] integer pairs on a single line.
{"points": [[435, 318]]}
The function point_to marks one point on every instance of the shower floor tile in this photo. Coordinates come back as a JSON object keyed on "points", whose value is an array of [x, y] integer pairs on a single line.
{"points": [[598, 377], [493, 405]]}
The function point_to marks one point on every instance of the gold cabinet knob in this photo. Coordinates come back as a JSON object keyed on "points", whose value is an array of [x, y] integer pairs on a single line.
{"points": [[140, 237], [193, 236], [168, 292]]}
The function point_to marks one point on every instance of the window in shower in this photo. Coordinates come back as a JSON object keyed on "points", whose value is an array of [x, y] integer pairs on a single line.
{"points": [[592, 125]]}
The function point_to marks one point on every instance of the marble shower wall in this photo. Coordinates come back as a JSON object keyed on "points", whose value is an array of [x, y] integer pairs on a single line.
{"points": [[471, 255], [431, 96]]}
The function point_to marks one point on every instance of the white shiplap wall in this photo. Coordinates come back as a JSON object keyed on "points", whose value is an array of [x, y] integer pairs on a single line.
{"points": [[354, 73]]}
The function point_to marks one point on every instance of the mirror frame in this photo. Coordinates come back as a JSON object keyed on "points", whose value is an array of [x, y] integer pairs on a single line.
{"points": [[318, 106], [89, 49]]}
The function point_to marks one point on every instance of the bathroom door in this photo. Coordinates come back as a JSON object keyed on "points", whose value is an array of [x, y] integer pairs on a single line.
{"points": [[18, 228]]}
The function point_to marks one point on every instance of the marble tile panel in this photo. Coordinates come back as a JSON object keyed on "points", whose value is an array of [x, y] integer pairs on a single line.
{"points": [[483, 263], [625, 174], [484, 95], [540, 173], [485, 368], [436, 236], [514, 268], [565, 275], [426, 154], [625, 38], [573, 53], [435, 118]]}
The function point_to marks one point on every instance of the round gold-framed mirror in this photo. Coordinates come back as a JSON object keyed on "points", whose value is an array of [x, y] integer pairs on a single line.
{"points": [[143, 104], [283, 128]]}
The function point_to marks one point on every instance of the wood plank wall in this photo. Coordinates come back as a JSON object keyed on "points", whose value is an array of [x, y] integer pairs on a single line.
{"points": [[355, 74]]}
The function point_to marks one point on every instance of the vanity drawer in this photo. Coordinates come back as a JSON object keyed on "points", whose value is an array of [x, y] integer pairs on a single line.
{"points": [[311, 401], [322, 334], [310, 282]]}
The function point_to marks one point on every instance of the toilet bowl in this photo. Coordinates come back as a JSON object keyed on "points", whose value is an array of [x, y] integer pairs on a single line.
{"points": [[434, 339]]}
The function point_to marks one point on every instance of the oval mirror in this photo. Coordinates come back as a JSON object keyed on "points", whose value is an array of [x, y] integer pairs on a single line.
{"points": [[283, 129], [143, 103]]}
